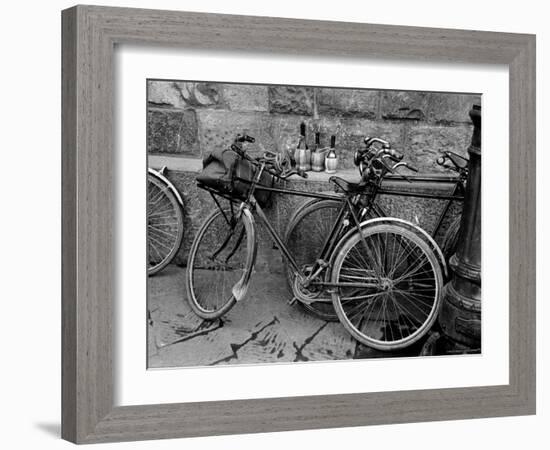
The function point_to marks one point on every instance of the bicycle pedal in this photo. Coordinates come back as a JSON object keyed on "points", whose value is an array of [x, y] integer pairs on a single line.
{"points": [[292, 301]]}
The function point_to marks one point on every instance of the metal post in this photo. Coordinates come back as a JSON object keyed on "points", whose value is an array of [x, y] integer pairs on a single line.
{"points": [[460, 315]]}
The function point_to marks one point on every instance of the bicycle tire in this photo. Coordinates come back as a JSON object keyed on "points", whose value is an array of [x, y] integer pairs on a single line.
{"points": [[305, 245], [216, 240], [363, 310], [449, 243], [164, 225]]}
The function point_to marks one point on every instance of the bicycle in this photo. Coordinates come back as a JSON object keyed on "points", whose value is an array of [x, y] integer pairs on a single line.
{"points": [[383, 275], [320, 214], [164, 220]]}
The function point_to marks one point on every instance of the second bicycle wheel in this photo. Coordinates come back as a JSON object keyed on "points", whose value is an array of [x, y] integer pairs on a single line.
{"points": [[220, 261], [449, 244], [306, 232], [388, 286], [164, 224]]}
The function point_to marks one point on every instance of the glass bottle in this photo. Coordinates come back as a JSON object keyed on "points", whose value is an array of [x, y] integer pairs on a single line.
{"points": [[331, 160], [302, 155]]}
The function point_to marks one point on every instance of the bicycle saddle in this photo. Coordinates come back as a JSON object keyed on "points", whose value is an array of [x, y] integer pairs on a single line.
{"points": [[347, 186]]}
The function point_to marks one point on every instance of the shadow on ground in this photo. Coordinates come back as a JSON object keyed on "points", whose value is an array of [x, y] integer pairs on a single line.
{"points": [[262, 328]]}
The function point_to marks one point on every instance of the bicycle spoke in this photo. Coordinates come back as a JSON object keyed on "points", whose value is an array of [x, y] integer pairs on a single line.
{"points": [[164, 224], [398, 257], [398, 318], [359, 297], [402, 312], [407, 294], [408, 313], [162, 244], [217, 262], [395, 309], [415, 266]]}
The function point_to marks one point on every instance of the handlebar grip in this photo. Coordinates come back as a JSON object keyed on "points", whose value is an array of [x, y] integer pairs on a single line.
{"points": [[244, 138], [440, 161]]}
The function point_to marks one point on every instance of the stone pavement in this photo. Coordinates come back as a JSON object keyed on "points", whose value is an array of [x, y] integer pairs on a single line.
{"points": [[262, 328]]}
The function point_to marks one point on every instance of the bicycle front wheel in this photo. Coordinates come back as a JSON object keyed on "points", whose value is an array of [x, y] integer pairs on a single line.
{"points": [[219, 264], [164, 224], [388, 286]]}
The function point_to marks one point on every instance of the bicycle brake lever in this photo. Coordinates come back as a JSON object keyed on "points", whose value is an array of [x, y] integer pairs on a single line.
{"points": [[390, 157], [404, 164]]}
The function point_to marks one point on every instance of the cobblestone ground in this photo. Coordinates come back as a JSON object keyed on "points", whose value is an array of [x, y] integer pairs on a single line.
{"points": [[262, 328]]}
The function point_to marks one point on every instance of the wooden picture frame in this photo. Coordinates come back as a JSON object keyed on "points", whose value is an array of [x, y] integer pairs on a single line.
{"points": [[89, 36]]}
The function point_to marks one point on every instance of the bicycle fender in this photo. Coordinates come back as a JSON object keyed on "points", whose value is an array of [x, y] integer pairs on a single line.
{"points": [[241, 287], [159, 174], [401, 222], [419, 230]]}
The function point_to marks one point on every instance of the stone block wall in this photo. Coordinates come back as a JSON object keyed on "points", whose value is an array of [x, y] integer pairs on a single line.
{"points": [[189, 119]]}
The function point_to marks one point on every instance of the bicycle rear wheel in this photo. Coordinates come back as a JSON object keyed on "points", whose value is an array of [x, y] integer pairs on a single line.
{"points": [[164, 224], [220, 263], [304, 238], [389, 286]]}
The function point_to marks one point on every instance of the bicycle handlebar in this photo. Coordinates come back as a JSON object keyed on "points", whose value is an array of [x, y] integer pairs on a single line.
{"points": [[274, 163], [380, 161], [390, 153], [237, 145], [372, 140], [376, 152], [404, 164]]}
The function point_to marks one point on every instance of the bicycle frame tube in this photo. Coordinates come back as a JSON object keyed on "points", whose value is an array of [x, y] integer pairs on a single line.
{"points": [[457, 194], [379, 191], [458, 187], [329, 242], [396, 192], [308, 194], [274, 235]]}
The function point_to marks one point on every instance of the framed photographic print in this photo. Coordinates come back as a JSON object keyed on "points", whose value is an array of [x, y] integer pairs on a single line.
{"points": [[295, 209], [267, 222]]}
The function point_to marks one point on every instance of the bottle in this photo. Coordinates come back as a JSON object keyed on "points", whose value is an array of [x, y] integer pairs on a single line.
{"points": [[303, 154], [318, 156], [316, 146], [331, 160]]}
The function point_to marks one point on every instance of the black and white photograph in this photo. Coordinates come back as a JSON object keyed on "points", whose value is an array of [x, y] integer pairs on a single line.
{"points": [[288, 224]]}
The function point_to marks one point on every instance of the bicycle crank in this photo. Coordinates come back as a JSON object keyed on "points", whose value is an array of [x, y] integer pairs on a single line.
{"points": [[304, 293]]}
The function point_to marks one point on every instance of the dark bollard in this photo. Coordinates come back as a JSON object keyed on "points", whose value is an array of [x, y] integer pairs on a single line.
{"points": [[460, 315]]}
